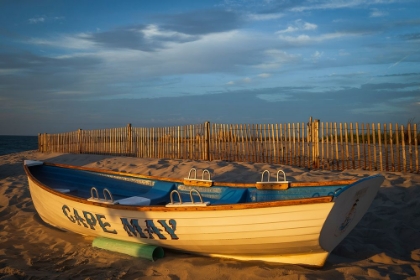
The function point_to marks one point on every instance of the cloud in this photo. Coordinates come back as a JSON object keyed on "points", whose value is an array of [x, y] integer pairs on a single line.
{"points": [[379, 109], [263, 17], [348, 75], [41, 64], [36, 77], [411, 36], [248, 80], [281, 97], [262, 105], [390, 86], [42, 19], [405, 99], [201, 22], [316, 56], [169, 29], [241, 82], [276, 58], [259, 7], [85, 65], [142, 37], [36, 20], [146, 38], [378, 13], [264, 75], [298, 25], [343, 52], [401, 75], [304, 39], [333, 4], [276, 6], [81, 41]]}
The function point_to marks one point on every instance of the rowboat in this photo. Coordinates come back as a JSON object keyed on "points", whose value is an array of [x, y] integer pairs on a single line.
{"points": [[273, 221]]}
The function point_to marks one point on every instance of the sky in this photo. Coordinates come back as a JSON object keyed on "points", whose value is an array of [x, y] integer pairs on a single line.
{"points": [[66, 65]]}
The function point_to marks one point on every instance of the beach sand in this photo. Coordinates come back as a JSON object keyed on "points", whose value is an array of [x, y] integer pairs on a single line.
{"points": [[384, 245]]}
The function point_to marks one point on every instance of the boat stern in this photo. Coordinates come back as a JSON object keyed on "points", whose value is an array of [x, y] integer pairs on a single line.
{"points": [[349, 208]]}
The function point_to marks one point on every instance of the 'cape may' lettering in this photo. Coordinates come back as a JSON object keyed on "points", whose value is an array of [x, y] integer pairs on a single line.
{"points": [[149, 229], [87, 219]]}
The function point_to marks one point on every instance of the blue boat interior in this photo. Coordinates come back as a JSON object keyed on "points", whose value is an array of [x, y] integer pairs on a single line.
{"points": [[79, 183]]}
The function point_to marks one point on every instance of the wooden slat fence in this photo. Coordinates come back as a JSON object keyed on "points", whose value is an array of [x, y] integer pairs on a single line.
{"points": [[322, 145]]}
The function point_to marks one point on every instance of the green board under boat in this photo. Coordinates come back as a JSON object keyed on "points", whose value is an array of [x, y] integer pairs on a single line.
{"points": [[137, 250]]}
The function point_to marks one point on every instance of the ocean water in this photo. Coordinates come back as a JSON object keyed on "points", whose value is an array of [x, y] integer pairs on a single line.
{"points": [[16, 144]]}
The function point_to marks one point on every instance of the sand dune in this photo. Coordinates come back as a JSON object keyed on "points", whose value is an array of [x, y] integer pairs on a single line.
{"points": [[384, 245]]}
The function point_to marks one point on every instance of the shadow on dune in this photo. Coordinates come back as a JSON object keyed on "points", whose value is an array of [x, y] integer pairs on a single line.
{"points": [[11, 170], [77, 159], [390, 230]]}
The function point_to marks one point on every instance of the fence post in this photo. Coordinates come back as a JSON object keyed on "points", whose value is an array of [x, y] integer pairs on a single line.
{"points": [[207, 140], [313, 126], [129, 140], [44, 142], [79, 139], [315, 134]]}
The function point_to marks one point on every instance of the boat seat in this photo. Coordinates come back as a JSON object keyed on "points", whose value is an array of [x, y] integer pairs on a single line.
{"points": [[159, 193], [133, 200], [232, 196], [108, 199], [63, 190]]}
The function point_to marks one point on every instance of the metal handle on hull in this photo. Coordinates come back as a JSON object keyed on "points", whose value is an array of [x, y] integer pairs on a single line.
{"points": [[284, 175], [195, 173], [91, 193], [94, 191], [172, 197], [192, 197], [268, 176], [202, 175], [111, 199]]}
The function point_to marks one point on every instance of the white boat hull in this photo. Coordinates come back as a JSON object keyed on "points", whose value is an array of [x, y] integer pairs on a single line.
{"points": [[299, 234]]}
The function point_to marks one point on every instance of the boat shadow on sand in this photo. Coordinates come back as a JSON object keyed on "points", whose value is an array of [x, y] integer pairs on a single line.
{"points": [[388, 234]]}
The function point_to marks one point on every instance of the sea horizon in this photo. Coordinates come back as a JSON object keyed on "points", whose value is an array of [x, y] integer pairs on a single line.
{"points": [[10, 144]]}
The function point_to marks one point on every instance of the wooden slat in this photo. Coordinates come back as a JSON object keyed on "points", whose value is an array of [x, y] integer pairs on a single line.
{"points": [[404, 159], [330, 146], [352, 147], [391, 147], [277, 147], [410, 150], [386, 147], [416, 147], [294, 162], [380, 148], [368, 140], [299, 139], [322, 146], [397, 137], [347, 146], [374, 147]]}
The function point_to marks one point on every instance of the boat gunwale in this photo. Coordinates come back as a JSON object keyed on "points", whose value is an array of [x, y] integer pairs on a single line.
{"points": [[215, 183], [162, 208]]}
